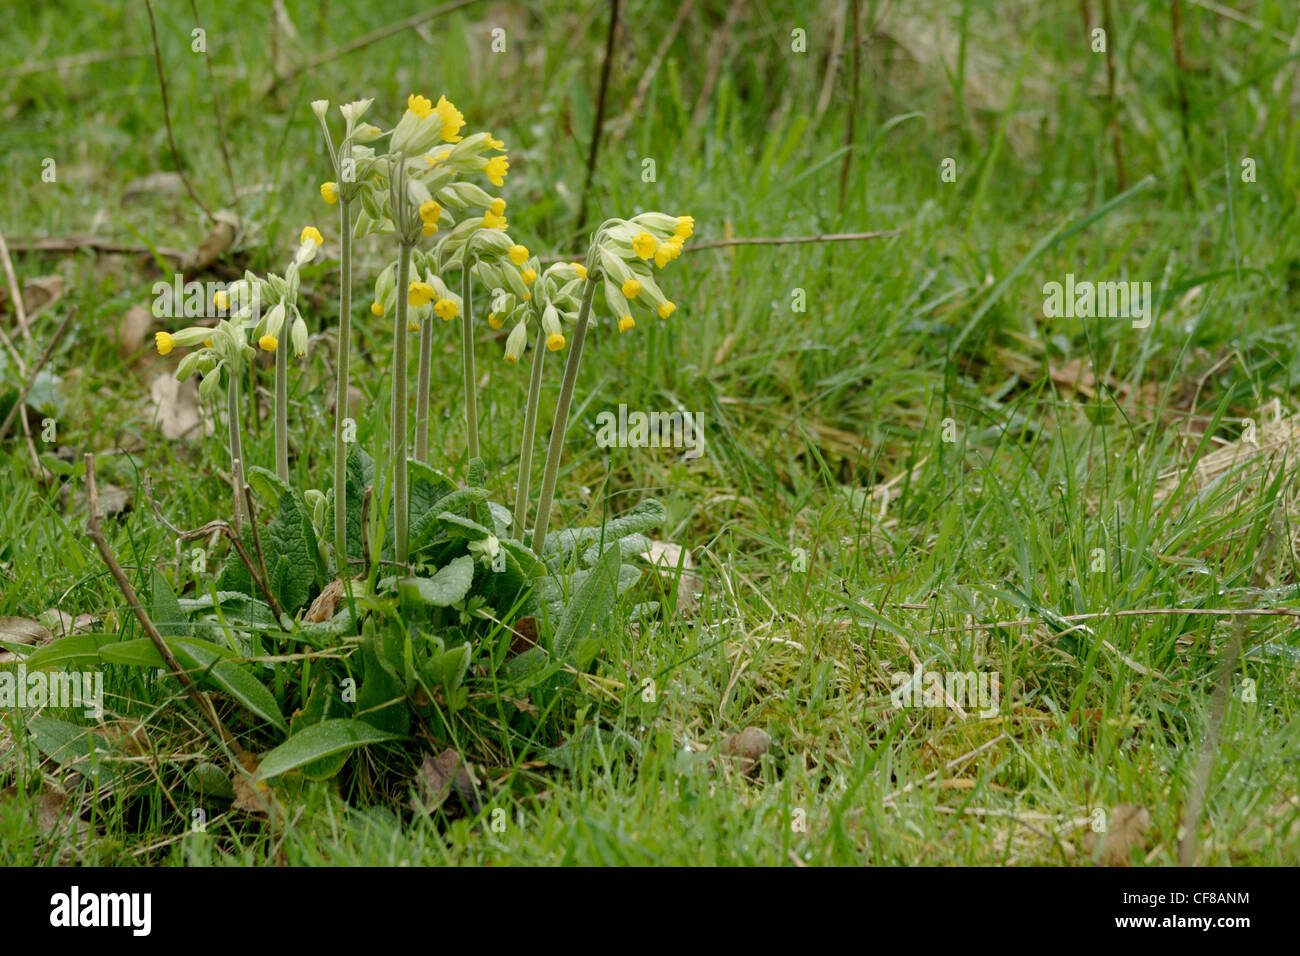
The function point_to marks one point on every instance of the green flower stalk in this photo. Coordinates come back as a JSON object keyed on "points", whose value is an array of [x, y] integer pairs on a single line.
{"points": [[341, 402], [397, 441], [467, 359], [526, 449], [236, 450]]}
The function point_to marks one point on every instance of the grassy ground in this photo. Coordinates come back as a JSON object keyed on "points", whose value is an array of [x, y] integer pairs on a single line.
{"points": [[948, 457]]}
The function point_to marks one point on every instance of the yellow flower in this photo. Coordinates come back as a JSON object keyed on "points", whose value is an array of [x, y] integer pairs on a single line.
{"points": [[625, 323], [452, 120], [579, 268], [207, 343], [421, 106], [430, 212], [445, 309], [412, 326], [631, 287], [268, 343], [666, 310], [518, 254], [220, 299], [662, 255], [512, 358], [529, 276], [438, 157], [164, 341], [493, 321], [376, 308], [555, 341], [329, 192], [428, 229], [419, 293], [495, 170], [312, 233], [498, 207], [644, 245], [685, 226], [493, 220], [495, 143]]}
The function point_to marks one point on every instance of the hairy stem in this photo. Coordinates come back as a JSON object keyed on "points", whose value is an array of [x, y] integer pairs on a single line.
{"points": [[422, 392], [397, 442], [526, 450], [467, 353], [562, 415], [341, 404], [282, 403], [236, 445]]}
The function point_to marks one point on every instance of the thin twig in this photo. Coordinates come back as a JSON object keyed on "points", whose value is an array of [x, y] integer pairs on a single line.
{"points": [[599, 123], [717, 56], [95, 531], [1184, 107], [62, 63], [167, 116], [224, 528], [15, 290], [853, 106], [36, 370], [1108, 24], [94, 243], [651, 70]]}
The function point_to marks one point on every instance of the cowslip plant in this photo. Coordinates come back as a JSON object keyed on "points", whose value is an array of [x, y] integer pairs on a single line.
{"points": [[437, 601]]}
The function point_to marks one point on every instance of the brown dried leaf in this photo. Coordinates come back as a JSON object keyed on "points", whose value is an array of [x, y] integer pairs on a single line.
{"points": [[251, 798], [161, 183], [326, 603], [219, 239], [22, 630], [132, 331], [127, 734], [667, 556], [64, 624], [1125, 832], [439, 776], [176, 406], [525, 637], [42, 292], [749, 746]]}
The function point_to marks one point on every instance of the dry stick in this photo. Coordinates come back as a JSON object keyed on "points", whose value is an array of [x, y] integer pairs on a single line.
{"points": [[216, 109], [1228, 660], [15, 291], [95, 531], [27, 430], [36, 370], [217, 526], [643, 85], [600, 113], [832, 67], [77, 243], [853, 109], [373, 37], [167, 116], [1109, 25], [61, 63]]}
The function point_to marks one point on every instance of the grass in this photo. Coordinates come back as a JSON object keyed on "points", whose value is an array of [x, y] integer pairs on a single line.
{"points": [[826, 426]]}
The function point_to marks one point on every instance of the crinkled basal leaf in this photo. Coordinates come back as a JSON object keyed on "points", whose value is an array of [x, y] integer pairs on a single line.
{"points": [[381, 699], [428, 529], [359, 474], [319, 741], [563, 543], [445, 588], [589, 608], [235, 607], [426, 487], [293, 559]]}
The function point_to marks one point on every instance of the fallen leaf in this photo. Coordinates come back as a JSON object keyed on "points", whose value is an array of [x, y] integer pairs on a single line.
{"points": [[132, 330], [176, 406], [749, 746], [1125, 832], [252, 798], [42, 292], [161, 183], [64, 624], [525, 637], [127, 734], [668, 557], [326, 603], [439, 776], [22, 630], [355, 397], [220, 238], [113, 500]]}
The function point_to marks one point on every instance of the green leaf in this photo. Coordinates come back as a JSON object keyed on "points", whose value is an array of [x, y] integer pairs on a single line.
{"points": [[428, 528], [645, 516], [75, 649], [448, 668], [293, 559], [166, 611], [381, 698], [445, 588], [230, 677], [318, 741], [426, 487], [71, 746], [590, 605]]}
